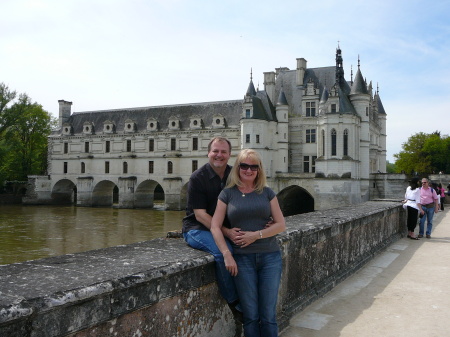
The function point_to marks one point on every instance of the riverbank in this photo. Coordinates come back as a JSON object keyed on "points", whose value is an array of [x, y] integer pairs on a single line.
{"points": [[10, 199]]}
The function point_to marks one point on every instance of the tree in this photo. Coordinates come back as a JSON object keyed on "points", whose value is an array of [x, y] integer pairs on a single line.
{"points": [[26, 139], [424, 153], [7, 117], [24, 128], [390, 167]]}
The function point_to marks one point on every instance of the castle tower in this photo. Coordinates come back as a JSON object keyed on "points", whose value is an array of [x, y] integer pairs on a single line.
{"points": [[282, 111], [360, 98], [382, 122]]}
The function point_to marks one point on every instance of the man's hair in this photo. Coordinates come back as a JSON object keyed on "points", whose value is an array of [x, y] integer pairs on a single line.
{"points": [[218, 139]]}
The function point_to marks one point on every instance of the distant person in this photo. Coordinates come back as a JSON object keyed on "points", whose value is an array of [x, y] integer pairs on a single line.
{"points": [[412, 206], [204, 187], [428, 206], [442, 195], [256, 258], [435, 187]]}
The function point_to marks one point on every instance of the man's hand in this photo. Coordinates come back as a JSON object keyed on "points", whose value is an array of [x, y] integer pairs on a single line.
{"points": [[271, 222], [231, 233]]}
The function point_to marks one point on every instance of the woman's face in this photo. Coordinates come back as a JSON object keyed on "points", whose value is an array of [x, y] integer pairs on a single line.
{"points": [[248, 170]]}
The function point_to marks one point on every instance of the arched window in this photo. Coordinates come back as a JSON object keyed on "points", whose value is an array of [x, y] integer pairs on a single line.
{"points": [[125, 167], [345, 142], [323, 142], [333, 142], [169, 167]]}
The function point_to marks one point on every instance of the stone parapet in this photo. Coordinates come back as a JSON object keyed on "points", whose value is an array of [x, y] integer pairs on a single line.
{"points": [[164, 288]]}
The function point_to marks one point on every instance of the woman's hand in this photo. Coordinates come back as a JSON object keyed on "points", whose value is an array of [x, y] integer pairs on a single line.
{"points": [[230, 264], [243, 239]]}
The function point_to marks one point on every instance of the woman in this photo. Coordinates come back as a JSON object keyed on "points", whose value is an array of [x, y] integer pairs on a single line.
{"points": [[412, 206], [256, 264]]}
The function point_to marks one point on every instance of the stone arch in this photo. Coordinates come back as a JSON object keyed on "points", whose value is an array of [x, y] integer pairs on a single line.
{"points": [[295, 200], [64, 192], [145, 194], [103, 194], [183, 195]]}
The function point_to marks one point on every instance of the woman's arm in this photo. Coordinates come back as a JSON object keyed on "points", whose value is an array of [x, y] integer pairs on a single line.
{"points": [[216, 231]]}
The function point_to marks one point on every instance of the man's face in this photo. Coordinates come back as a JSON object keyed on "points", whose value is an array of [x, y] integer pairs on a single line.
{"points": [[219, 154], [425, 183]]}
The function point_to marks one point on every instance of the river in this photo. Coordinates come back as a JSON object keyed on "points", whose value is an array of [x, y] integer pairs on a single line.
{"points": [[34, 232]]}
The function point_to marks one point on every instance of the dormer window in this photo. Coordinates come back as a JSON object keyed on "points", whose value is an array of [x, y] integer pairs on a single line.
{"points": [[67, 129], [218, 122], [174, 123], [196, 122], [130, 126], [88, 128], [109, 127], [152, 124], [310, 90]]}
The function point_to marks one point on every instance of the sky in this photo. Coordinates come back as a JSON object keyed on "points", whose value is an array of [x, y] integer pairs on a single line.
{"points": [[110, 54]]}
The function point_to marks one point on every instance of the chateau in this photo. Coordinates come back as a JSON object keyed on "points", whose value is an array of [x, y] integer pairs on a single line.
{"points": [[321, 138]]}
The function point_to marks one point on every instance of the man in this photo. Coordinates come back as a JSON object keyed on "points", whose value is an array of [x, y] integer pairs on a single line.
{"points": [[204, 187], [428, 206]]}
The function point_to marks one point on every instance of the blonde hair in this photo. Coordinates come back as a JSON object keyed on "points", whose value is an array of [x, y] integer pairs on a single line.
{"points": [[234, 178]]}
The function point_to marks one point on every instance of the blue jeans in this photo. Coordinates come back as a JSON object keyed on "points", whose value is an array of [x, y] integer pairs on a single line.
{"points": [[203, 240], [257, 283], [429, 212]]}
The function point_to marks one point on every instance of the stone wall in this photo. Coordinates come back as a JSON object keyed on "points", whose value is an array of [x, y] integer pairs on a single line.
{"points": [[164, 288]]}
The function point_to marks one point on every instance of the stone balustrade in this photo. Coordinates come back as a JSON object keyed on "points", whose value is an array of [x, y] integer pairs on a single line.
{"points": [[165, 288]]}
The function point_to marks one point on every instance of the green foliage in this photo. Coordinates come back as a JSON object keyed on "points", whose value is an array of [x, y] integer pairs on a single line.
{"points": [[424, 153], [24, 128], [390, 167]]}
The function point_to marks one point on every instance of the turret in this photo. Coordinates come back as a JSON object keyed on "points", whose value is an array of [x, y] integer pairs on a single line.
{"points": [[282, 110], [360, 98]]}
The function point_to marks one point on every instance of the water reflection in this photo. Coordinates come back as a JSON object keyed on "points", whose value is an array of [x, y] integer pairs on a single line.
{"points": [[33, 232]]}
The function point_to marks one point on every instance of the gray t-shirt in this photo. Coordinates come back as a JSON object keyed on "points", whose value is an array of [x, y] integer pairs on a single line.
{"points": [[250, 213]]}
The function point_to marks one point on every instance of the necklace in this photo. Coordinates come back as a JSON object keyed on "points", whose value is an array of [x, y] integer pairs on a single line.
{"points": [[249, 191]]}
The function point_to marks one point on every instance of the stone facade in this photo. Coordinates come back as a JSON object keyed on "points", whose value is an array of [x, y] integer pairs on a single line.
{"points": [[306, 123]]}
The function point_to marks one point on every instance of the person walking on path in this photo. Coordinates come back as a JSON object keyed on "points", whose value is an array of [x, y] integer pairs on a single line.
{"points": [[204, 187], [429, 206], [256, 259], [412, 206], [442, 195]]}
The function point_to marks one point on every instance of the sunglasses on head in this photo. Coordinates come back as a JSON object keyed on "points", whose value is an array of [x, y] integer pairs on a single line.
{"points": [[245, 167]]}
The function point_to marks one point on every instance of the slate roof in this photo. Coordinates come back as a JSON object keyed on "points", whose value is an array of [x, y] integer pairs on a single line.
{"points": [[322, 77], [230, 110], [359, 85], [379, 105]]}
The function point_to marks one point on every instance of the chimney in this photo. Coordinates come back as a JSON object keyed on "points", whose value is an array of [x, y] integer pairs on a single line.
{"points": [[301, 68], [64, 111], [269, 85]]}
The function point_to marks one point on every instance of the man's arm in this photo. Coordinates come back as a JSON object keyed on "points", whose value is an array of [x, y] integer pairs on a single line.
{"points": [[205, 219]]}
